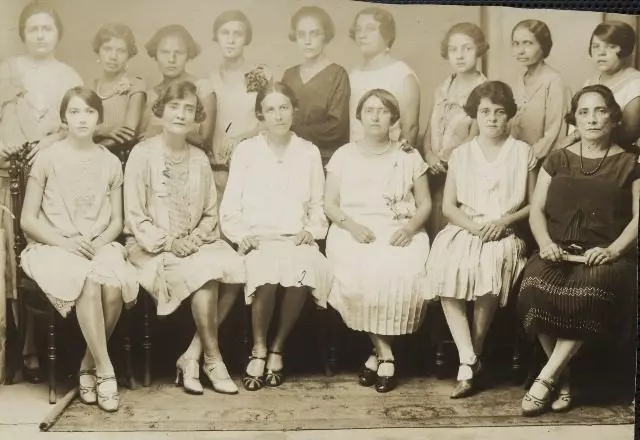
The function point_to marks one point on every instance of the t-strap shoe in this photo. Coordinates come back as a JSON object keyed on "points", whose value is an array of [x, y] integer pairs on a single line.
{"points": [[87, 391], [107, 400], [274, 378], [254, 383]]}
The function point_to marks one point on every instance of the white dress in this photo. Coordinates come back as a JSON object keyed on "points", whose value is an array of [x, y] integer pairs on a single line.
{"points": [[274, 199], [390, 78], [77, 201], [461, 266], [625, 89], [378, 288]]}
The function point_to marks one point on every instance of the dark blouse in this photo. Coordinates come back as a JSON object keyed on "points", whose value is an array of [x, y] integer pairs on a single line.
{"points": [[589, 210], [323, 114]]}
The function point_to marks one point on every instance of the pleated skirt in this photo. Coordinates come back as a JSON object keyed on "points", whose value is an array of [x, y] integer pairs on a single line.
{"points": [[279, 261], [578, 302], [461, 266], [378, 288]]}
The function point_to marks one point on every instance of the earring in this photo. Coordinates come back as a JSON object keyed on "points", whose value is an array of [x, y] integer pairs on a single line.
{"points": [[98, 61]]}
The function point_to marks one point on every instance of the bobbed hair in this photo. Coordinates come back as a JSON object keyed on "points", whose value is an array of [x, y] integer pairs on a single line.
{"points": [[388, 100], [87, 95], [179, 90], [497, 92]]}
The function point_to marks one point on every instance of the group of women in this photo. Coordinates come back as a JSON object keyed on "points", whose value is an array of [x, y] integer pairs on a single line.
{"points": [[231, 181]]}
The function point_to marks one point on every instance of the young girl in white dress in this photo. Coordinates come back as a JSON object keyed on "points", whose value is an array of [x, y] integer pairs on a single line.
{"points": [[72, 215], [477, 256], [273, 209], [377, 197]]}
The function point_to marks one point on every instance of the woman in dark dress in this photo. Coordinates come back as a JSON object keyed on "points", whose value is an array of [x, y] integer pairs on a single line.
{"points": [[321, 86], [584, 216]]}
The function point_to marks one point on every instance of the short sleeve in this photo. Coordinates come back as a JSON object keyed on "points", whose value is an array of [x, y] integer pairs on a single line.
{"points": [[336, 162], [419, 166], [532, 160], [40, 170], [117, 176], [635, 174], [137, 86], [205, 88], [553, 162]]}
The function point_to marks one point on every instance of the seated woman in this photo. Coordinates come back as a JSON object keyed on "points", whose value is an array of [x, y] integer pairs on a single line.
{"points": [[478, 256], [71, 216], [586, 202], [377, 197], [171, 221], [272, 208]]}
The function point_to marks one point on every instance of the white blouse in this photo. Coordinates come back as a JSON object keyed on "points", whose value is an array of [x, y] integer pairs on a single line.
{"points": [[271, 196]]}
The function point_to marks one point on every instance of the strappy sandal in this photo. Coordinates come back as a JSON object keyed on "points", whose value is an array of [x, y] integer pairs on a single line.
{"points": [[254, 383], [274, 378], [384, 384], [533, 406], [87, 393], [108, 401]]}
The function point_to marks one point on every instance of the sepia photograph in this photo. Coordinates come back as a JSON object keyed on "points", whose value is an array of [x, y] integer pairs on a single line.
{"points": [[317, 219]]}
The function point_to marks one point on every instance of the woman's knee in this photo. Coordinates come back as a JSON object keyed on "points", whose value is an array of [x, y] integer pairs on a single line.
{"points": [[111, 296]]}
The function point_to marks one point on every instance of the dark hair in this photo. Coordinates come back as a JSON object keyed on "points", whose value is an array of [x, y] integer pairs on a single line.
{"points": [[276, 87], [387, 99], [472, 31], [179, 90], [89, 97], [315, 12], [233, 15], [617, 33], [540, 31], [497, 92], [382, 16], [609, 100], [172, 30], [39, 7], [115, 30]]}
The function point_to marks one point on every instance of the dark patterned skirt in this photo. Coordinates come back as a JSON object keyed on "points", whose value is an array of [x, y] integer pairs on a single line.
{"points": [[577, 302]]}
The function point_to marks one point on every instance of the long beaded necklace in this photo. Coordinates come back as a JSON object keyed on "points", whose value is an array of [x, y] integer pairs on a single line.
{"points": [[597, 168]]}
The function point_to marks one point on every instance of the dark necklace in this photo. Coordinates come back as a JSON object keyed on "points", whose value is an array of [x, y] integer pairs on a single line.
{"points": [[595, 170]]}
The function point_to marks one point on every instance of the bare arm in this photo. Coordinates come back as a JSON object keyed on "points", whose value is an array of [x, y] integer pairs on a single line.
{"points": [[33, 226], [115, 224], [522, 213], [537, 217], [630, 127], [204, 137], [451, 210], [423, 203], [629, 234], [410, 109]]}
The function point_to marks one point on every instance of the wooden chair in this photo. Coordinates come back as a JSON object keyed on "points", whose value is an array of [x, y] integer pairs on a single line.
{"points": [[31, 299]]}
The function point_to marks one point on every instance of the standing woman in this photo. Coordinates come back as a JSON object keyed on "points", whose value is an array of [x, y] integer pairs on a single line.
{"points": [[273, 210], [72, 216], [123, 94], [172, 233], [235, 82], [172, 46], [31, 88], [477, 257], [542, 96], [450, 126], [374, 31], [377, 197], [322, 87]]}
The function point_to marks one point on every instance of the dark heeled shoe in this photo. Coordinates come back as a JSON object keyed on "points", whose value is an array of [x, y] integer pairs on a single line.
{"points": [[274, 378], [254, 383], [32, 375], [533, 406], [368, 376], [384, 384], [466, 387]]}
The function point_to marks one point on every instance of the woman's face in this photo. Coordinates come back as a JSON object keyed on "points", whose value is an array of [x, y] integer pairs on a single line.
{"points": [[526, 48], [277, 112], [310, 37], [462, 53], [172, 56], [605, 55], [232, 38], [179, 115], [113, 55], [593, 118], [81, 119], [40, 35], [368, 36], [492, 119], [375, 117]]}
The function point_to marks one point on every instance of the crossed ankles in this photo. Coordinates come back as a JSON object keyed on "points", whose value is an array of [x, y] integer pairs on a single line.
{"points": [[533, 405]]}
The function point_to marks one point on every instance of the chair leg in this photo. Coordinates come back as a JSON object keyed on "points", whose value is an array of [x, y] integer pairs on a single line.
{"points": [[334, 326], [126, 347], [322, 328], [516, 360], [440, 366], [247, 338], [146, 341], [13, 352], [51, 354]]}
